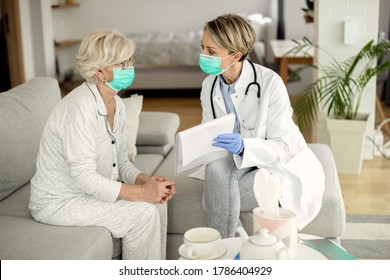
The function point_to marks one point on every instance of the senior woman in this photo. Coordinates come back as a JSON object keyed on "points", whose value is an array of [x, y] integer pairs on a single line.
{"points": [[84, 176], [264, 136]]}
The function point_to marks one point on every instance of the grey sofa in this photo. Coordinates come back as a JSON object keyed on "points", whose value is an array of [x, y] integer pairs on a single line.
{"points": [[23, 113]]}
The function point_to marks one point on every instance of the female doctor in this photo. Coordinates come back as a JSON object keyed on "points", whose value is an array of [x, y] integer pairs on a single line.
{"points": [[264, 136]]}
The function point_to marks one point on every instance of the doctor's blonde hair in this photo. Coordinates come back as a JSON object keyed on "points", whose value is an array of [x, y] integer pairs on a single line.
{"points": [[232, 32], [102, 48]]}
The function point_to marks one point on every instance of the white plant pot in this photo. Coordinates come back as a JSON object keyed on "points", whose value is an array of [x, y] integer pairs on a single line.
{"points": [[347, 143]]}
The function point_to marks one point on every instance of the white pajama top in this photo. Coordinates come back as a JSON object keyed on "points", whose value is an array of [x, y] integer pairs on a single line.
{"points": [[79, 154]]}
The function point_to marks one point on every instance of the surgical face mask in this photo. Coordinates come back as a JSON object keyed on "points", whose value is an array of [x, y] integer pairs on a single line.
{"points": [[123, 78], [212, 64]]}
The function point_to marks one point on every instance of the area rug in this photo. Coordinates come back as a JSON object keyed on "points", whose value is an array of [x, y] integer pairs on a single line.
{"points": [[367, 236]]}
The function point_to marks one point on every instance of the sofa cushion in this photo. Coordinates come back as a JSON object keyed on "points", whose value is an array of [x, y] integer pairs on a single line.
{"points": [[22, 238], [23, 114], [17, 204], [161, 149], [148, 163], [133, 106], [185, 210], [332, 200], [157, 128]]}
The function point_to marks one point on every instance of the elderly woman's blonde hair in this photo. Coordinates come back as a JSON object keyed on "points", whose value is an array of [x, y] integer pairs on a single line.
{"points": [[102, 48], [232, 32]]}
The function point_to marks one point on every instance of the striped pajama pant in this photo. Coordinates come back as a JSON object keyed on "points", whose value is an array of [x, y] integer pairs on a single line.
{"points": [[141, 225]]}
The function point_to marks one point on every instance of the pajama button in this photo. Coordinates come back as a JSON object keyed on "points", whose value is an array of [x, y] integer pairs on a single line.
{"points": [[113, 142], [114, 165]]}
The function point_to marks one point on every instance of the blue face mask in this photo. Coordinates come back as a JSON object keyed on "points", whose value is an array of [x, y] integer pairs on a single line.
{"points": [[123, 78], [212, 64]]}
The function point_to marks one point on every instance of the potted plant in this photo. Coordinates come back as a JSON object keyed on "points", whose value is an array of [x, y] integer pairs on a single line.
{"points": [[339, 90], [309, 11]]}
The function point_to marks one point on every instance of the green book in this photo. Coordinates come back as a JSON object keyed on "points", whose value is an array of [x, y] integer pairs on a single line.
{"points": [[328, 249]]}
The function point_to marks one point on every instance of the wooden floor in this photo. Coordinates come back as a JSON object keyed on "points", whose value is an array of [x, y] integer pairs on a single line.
{"points": [[366, 193]]}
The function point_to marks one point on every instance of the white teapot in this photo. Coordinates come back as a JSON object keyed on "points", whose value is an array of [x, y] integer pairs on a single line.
{"points": [[262, 246]]}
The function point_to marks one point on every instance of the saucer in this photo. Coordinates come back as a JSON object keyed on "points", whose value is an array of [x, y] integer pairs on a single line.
{"points": [[220, 252]]}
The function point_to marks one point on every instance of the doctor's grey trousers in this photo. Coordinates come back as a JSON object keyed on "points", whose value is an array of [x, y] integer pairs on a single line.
{"points": [[227, 191]]}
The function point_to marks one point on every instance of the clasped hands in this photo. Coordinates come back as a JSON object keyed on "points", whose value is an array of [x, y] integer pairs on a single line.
{"points": [[230, 141], [157, 189]]}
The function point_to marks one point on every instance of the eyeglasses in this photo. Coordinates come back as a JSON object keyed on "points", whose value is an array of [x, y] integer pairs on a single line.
{"points": [[128, 63]]}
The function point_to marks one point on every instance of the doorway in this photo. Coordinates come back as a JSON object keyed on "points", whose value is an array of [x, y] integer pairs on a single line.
{"points": [[5, 80], [12, 73]]}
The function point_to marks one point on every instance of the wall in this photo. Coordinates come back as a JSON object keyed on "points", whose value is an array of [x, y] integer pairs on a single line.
{"points": [[145, 16], [37, 40], [42, 39], [140, 16], [329, 35], [297, 28], [295, 25], [129, 16], [27, 47]]}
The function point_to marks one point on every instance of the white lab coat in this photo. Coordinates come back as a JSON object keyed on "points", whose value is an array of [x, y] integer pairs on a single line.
{"points": [[275, 143]]}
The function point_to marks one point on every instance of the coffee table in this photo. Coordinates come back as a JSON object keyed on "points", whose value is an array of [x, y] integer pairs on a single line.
{"points": [[305, 252], [280, 49]]}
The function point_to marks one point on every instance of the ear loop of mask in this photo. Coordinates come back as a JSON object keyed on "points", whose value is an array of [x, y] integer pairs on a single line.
{"points": [[223, 70]]}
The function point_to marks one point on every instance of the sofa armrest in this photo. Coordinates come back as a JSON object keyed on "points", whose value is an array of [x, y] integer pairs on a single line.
{"points": [[156, 132], [331, 220]]}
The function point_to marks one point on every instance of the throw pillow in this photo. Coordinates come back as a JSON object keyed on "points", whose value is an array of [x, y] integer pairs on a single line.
{"points": [[133, 106]]}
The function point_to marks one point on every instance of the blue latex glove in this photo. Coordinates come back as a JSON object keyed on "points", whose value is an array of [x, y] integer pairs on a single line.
{"points": [[230, 141]]}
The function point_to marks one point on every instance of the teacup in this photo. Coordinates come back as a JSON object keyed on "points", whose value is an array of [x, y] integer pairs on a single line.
{"points": [[201, 242], [284, 226]]}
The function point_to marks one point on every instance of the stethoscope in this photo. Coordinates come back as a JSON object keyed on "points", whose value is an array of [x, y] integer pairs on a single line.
{"points": [[254, 83]]}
